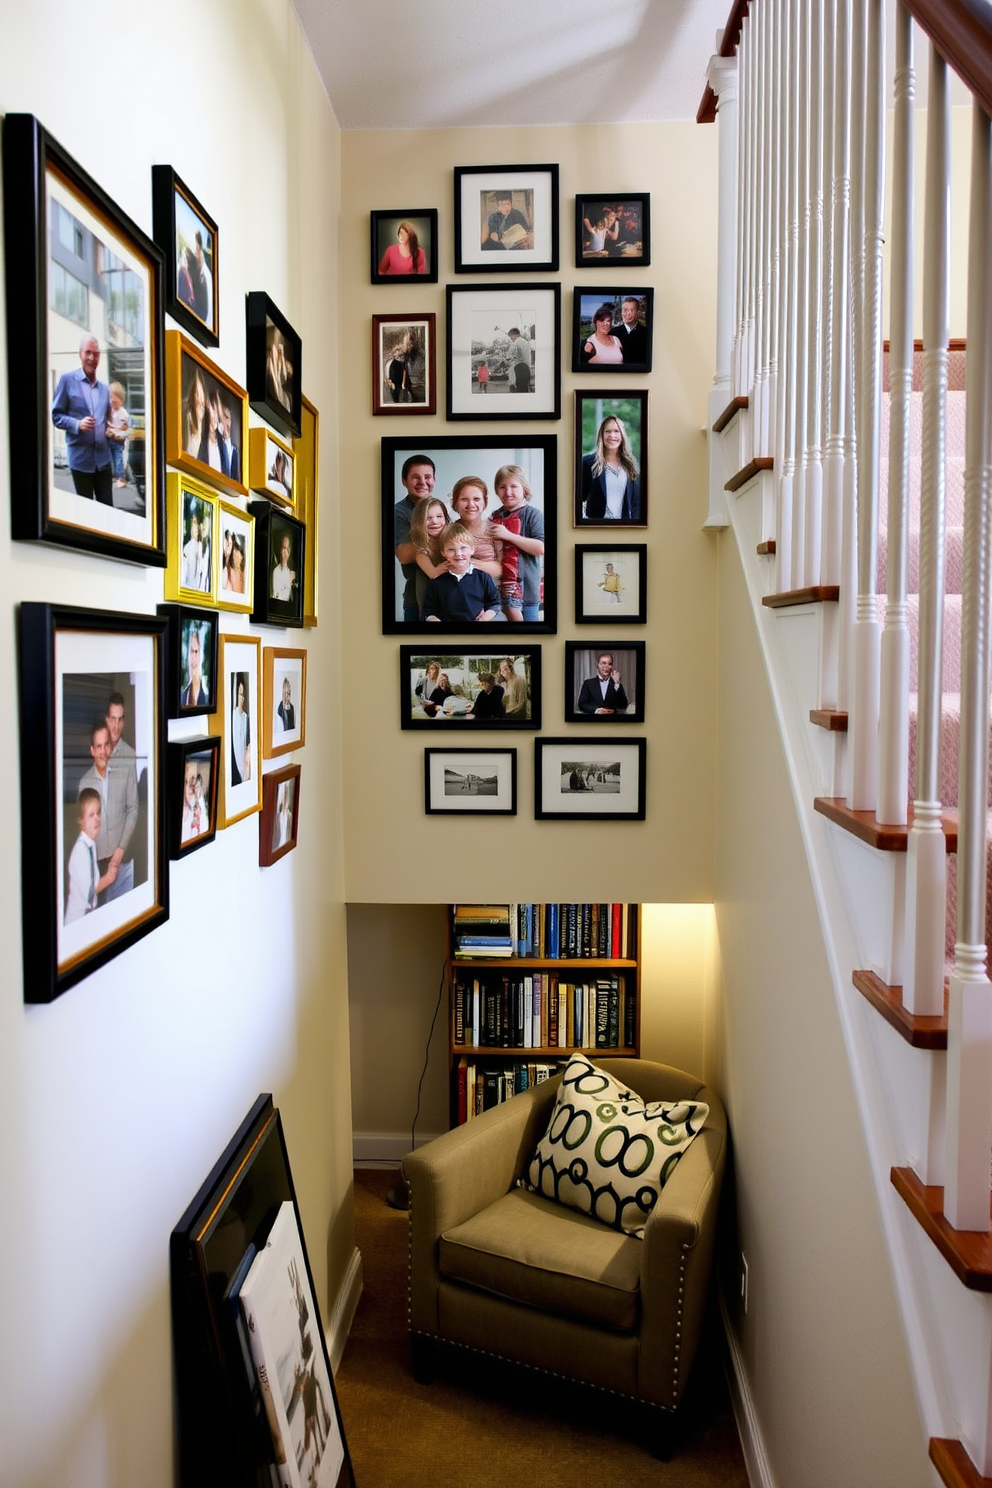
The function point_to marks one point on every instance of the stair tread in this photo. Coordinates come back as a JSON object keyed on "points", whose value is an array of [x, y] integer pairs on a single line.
{"points": [[967, 1252], [866, 826], [920, 1031], [954, 1465]]}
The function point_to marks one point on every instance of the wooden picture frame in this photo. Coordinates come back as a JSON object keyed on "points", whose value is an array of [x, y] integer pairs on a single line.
{"points": [[307, 449], [188, 237], [235, 588], [470, 782], [597, 693], [504, 352], [73, 258], [194, 767], [613, 229], [512, 702], [206, 417], [273, 364], [611, 583], [237, 723], [590, 778], [193, 549], [600, 416], [284, 717], [272, 467], [94, 860], [191, 659], [390, 233], [404, 364], [280, 566], [506, 219], [414, 470], [278, 825], [621, 348]]}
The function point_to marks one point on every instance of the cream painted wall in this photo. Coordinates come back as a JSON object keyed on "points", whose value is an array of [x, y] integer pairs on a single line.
{"points": [[116, 1099], [821, 1343], [395, 853]]}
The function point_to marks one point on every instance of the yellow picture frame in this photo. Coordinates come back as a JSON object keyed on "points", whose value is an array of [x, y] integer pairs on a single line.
{"points": [[272, 467], [191, 555], [307, 449], [189, 420]]}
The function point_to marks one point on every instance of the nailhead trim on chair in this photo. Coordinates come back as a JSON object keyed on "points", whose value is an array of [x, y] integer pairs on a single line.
{"points": [[678, 1325]]}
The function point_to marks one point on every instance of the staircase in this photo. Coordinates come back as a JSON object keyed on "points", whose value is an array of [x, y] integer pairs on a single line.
{"points": [[854, 466]]}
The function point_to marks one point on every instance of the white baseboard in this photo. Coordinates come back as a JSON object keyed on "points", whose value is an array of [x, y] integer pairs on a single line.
{"points": [[341, 1319], [383, 1149], [755, 1461]]}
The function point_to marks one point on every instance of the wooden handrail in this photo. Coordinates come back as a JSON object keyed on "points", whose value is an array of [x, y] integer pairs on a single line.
{"points": [[961, 31]]}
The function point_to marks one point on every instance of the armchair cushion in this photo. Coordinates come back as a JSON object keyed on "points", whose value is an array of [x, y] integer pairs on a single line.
{"points": [[608, 1153]]}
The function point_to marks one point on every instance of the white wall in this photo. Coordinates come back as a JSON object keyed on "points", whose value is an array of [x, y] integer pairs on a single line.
{"points": [[115, 1100]]}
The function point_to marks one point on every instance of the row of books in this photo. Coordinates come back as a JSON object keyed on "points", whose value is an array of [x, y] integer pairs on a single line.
{"points": [[480, 1086], [542, 1010], [553, 932]]}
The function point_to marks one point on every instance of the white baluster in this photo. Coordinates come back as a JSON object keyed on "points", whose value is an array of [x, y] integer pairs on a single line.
{"points": [[800, 371], [722, 79], [815, 282], [785, 458]]}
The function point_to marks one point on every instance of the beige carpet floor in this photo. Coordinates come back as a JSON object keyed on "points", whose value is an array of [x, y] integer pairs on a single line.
{"points": [[479, 1425]]}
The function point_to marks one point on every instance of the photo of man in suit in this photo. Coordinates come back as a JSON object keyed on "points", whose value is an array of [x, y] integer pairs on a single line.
{"points": [[603, 694], [633, 336], [81, 409]]}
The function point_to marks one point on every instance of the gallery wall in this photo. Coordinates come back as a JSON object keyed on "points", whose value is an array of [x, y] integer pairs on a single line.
{"points": [[116, 1099]]}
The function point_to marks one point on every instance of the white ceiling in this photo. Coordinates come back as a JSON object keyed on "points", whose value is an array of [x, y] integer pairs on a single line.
{"points": [[434, 64]]}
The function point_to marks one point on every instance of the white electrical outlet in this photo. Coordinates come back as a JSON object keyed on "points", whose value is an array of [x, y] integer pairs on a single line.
{"points": [[743, 1281]]}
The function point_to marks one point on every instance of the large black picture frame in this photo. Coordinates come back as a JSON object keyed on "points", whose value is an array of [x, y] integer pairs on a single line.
{"points": [[74, 261], [73, 663]]}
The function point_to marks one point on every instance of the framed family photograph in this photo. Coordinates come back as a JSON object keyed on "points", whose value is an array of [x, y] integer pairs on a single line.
{"points": [[284, 700], [611, 330], [404, 364], [273, 364], [85, 358], [192, 570], [306, 449], [611, 459], [94, 861], [279, 567], [475, 687], [279, 822], [470, 782], [611, 583], [576, 778], [504, 354], [206, 418], [191, 660], [404, 246], [506, 218], [494, 500], [613, 227], [604, 683], [236, 720], [194, 766], [236, 564], [271, 466], [187, 235]]}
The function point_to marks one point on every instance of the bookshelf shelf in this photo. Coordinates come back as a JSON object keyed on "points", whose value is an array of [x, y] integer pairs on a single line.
{"points": [[538, 963]]}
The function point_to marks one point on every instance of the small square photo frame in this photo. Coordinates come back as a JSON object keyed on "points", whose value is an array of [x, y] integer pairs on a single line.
{"points": [[404, 364], [284, 700], [191, 574], [280, 562], [611, 430], [581, 778], [504, 352], [604, 682], [237, 722], [506, 219], [470, 782], [613, 227], [273, 364], [194, 767], [191, 660], [271, 467], [445, 687], [235, 558], [611, 583], [621, 346], [404, 246], [279, 822], [187, 235], [206, 417]]}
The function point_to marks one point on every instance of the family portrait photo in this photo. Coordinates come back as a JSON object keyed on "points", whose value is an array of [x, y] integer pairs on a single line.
{"points": [[188, 235], [587, 777], [611, 452], [470, 782], [506, 218], [503, 352], [206, 417], [612, 227], [404, 246], [404, 364], [472, 688], [604, 683], [473, 529], [611, 330], [273, 364], [611, 583]]}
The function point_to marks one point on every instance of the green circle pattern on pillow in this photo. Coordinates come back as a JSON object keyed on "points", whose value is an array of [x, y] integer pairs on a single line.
{"points": [[607, 1152]]}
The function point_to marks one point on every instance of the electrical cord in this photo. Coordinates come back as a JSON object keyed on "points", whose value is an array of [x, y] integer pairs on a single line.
{"points": [[398, 1196]]}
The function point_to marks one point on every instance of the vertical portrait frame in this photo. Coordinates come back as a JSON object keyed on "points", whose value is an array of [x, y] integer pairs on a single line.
{"points": [[241, 525], [307, 447], [384, 399], [272, 525], [279, 665], [184, 837], [177, 215], [181, 618], [274, 379], [274, 844], [629, 407], [186, 366], [240, 659]]}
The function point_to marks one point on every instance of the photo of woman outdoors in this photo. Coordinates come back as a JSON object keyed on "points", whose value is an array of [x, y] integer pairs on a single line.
{"points": [[611, 459]]}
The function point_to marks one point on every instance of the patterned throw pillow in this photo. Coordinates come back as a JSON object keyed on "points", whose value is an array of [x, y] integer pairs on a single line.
{"points": [[606, 1151]]}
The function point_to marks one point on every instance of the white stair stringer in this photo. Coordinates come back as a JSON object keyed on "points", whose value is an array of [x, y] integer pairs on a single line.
{"points": [[860, 894]]}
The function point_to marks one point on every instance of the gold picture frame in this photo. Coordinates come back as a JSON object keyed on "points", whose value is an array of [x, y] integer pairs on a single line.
{"points": [[192, 551], [284, 718], [307, 448], [272, 467], [205, 411], [240, 784]]}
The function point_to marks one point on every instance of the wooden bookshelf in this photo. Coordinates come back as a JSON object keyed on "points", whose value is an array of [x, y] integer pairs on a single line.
{"points": [[504, 1010]]}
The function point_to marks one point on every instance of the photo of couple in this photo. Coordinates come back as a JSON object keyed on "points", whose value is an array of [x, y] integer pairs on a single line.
{"points": [[612, 331]]}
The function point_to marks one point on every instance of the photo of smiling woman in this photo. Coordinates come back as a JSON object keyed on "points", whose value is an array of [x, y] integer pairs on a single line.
{"points": [[611, 460]]}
